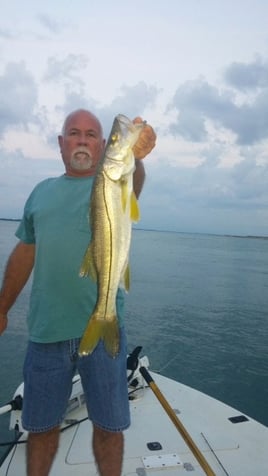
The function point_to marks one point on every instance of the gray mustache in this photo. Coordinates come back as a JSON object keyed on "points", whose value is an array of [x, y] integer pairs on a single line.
{"points": [[83, 150]]}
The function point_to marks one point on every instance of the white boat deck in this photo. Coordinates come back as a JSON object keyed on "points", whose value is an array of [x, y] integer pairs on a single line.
{"points": [[154, 446]]}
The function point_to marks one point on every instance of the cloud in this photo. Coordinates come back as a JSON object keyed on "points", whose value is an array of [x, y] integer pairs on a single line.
{"points": [[250, 184], [49, 23], [66, 70], [197, 101], [19, 172], [246, 76], [66, 78], [209, 168], [7, 34], [227, 200], [131, 101], [18, 97]]}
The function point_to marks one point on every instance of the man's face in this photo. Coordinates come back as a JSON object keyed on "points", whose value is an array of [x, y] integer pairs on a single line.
{"points": [[81, 144]]}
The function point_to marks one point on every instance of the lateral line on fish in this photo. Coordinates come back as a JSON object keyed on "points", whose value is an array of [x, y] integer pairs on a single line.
{"points": [[111, 248]]}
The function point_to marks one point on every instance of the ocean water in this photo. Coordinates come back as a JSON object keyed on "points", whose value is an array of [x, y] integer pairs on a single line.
{"points": [[198, 306]]}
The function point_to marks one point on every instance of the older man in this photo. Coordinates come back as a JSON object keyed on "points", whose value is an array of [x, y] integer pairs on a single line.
{"points": [[54, 233]]}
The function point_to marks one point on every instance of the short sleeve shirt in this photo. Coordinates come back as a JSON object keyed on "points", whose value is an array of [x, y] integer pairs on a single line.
{"points": [[56, 220]]}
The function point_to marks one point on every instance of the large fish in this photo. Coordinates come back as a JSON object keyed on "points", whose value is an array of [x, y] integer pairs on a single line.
{"points": [[113, 206]]}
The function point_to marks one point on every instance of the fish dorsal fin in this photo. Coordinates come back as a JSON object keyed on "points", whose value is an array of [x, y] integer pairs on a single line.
{"points": [[134, 208]]}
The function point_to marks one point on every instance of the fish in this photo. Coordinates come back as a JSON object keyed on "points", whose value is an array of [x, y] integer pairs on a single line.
{"points": [[113, 207]]}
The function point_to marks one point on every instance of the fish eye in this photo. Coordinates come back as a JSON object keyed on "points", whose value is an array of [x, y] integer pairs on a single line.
{"points": [[114, 137]]}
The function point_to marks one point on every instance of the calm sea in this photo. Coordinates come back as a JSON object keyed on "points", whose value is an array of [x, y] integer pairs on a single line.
{"points": [[198, 306]]}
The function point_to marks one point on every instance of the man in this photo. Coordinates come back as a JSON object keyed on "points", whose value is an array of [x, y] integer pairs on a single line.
{"points": [[54, 234]]}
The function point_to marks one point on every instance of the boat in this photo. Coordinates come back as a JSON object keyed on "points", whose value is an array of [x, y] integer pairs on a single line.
{"points": [[175, 431]]}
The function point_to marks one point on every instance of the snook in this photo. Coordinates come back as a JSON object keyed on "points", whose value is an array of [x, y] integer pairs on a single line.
{"points": [[113, 206]]}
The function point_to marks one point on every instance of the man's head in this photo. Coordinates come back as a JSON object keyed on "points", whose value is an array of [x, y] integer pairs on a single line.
{"points": [[81, 143]]}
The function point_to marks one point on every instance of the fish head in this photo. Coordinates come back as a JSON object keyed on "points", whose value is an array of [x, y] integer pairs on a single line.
{"points": [[118, 155]]}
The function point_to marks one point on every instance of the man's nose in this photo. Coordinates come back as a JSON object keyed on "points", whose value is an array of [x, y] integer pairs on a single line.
{"points": [[83, 139]]}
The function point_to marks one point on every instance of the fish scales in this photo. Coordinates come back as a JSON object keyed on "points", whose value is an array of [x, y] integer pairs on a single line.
{"points": [[113, 207]]}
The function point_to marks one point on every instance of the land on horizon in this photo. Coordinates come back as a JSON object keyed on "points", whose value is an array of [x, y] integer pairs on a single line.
{"points": [[175, 231]]}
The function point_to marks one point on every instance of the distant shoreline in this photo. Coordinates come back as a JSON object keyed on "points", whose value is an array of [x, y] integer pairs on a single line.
{"points": [[260, 237]]}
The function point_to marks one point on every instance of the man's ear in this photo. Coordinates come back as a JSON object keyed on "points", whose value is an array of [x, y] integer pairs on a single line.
{"points": [[60, 141]]}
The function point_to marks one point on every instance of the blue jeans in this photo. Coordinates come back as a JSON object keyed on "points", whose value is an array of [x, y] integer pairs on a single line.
{"points": [[48, 373]]}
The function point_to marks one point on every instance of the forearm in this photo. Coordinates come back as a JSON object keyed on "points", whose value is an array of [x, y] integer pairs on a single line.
{"points": [[18, 270], [138, 177]]}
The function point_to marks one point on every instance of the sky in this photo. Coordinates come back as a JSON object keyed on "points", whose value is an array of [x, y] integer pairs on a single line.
{"points": [[196, 70]]}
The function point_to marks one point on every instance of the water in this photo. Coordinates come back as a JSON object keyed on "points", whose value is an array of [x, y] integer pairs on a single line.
{"points": [[198, 306]]}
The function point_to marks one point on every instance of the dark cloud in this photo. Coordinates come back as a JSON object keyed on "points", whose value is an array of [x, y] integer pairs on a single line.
{"points": [[196, 101], [132, 101], [18, 96], [245, 76]]}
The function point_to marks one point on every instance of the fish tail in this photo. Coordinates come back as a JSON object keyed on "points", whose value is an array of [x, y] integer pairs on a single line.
{"points": [[98, 329], [91, 336]]}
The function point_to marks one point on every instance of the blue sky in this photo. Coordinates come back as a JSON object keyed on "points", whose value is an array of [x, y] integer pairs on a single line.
{"points": [[197, 70]]}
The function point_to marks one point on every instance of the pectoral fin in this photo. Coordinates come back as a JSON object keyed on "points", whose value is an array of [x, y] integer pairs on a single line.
{"points": [[124, 194], [87, 267], [134, 208]]}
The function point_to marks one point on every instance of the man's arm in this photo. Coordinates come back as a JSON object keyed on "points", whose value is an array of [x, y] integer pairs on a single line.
{"points": [[18, 270], [138, 177]]}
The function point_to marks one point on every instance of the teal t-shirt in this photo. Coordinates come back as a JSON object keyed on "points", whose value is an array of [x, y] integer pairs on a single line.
{"points": [[56, 220]]}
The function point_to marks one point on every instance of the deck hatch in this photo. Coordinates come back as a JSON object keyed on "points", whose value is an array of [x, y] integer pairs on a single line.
{"points": [[161, 461], [154, 446], [238, 419]]}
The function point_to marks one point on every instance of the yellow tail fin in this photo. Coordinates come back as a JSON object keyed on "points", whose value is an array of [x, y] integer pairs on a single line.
{"points": [[97, 329]]}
